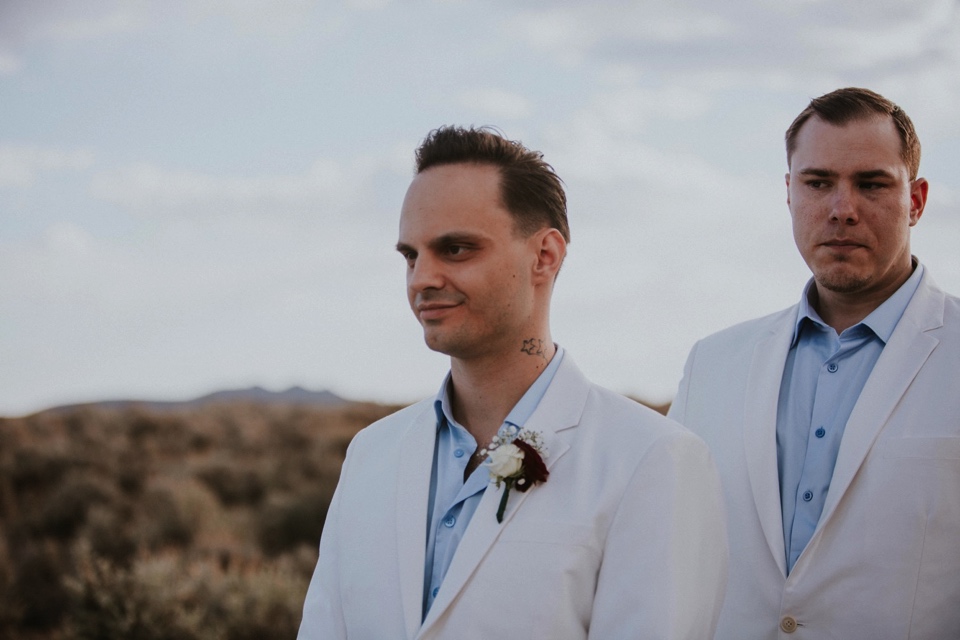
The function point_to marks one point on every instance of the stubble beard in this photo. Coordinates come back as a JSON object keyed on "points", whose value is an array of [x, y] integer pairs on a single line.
{"points": [[455, 343], [841, 277], [469, 341]]}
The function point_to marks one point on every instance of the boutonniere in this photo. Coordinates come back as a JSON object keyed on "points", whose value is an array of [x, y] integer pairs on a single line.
{"points": [[516, 461]]}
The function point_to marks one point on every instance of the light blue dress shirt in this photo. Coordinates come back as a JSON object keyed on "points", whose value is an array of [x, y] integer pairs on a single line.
{"points": [[822, 379], [452, 501]]}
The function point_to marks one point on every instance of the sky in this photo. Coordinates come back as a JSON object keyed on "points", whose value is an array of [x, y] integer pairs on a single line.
{"points": [[199, 195]]}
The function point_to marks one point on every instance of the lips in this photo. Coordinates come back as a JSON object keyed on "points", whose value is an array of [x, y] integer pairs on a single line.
{"points": [[433, 312], [843, 245], [433, 309]]}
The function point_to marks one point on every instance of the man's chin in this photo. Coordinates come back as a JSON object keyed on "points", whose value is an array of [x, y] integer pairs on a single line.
{"points": [[841, 280], [439, 343], [453, 346]]}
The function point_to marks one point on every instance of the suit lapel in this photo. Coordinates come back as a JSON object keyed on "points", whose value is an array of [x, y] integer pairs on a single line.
{"points": [[559, 410], [413, 489], [760, 432], [901, 360]]}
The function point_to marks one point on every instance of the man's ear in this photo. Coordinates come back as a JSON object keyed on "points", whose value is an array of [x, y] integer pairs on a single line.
{"points": [[918, 199], [551, 250]]}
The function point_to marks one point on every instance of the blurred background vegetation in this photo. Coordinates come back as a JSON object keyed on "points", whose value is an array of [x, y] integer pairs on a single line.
{"points": [[135, 523]]}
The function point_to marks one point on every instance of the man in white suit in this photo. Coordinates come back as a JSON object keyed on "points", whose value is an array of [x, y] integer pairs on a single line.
{"points": [[622, 535], [836, 423]]}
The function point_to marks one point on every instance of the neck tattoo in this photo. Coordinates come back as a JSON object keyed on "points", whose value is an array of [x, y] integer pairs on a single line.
{"points": [[534, 347]]}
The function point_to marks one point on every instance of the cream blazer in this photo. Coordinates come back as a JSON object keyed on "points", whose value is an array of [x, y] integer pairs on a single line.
{"points": [[626, 539], [884, 560]]}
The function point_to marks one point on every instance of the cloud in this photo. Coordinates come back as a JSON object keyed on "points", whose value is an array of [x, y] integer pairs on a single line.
{"points": [[124, 17], [326, 187], [496, 103], [272, 19], [21, 164], [9, 64], [747, 43], [22, 22], [66, 238]]}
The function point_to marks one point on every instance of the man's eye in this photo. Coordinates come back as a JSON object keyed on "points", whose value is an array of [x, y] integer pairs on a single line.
{"points": [[871, 186], [455, 250]]}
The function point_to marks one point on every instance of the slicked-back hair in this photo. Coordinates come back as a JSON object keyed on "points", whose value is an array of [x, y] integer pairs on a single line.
{"points": [[529, 188], [853, 103]]}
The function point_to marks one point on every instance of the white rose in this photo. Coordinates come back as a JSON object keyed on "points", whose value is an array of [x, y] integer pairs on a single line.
{"points": [[505, 461]]}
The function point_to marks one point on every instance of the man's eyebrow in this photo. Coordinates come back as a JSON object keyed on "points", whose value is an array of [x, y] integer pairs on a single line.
{"points": [[860, 175], [819, 173], [447, 239], [455, 237], [873, 173]]}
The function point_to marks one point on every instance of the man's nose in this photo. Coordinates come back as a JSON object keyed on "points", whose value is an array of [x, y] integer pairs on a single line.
{"points": [[425, 274], [844, 205]]}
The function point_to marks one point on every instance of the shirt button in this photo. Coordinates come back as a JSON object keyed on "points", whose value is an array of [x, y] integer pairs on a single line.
{"points": [[832, 367], [788, 624], [458, 453], [807, 497], [449, 521], [435, 591], [820, 432]]}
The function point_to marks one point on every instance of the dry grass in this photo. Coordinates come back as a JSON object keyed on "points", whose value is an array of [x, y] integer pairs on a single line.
{"points": [[138, 525]]}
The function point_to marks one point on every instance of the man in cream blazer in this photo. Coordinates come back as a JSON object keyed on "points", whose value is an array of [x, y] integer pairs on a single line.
{"points": [[626, 536], [882, 560]]}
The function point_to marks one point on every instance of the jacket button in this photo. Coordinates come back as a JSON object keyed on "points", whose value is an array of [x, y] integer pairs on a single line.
{"points": [[788, 624]]}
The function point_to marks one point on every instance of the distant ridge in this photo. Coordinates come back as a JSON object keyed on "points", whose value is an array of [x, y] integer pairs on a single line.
{"points": [[256, 395]]}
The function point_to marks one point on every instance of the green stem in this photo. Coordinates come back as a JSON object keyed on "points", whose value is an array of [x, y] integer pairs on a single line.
{"points": [[503, 501]]}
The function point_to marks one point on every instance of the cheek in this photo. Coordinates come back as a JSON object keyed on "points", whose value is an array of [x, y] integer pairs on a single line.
{"points": [[801, 227], [411, 294]]}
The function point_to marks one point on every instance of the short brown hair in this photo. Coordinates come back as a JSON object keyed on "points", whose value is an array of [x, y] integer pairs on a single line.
{"points": [[853, 103], [529, 188]]}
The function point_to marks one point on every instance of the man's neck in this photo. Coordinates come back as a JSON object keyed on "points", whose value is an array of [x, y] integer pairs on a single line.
{"points": [[483, 391], [843, 310]]}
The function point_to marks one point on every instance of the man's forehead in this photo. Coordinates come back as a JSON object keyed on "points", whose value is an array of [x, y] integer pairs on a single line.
{"points": [[869, 144], [869, 128]]}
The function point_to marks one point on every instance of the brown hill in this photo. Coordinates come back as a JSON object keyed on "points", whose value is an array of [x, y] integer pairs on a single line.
{"points": [[190, 522]]}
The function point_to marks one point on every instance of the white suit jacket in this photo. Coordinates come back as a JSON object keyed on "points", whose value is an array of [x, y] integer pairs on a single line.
{"points": [[884, 560], [626, 539]]}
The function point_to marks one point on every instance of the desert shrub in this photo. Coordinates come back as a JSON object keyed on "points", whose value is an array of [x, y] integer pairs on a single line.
{"points": [[200, 442], [66, 508], [110, 602], [262, 604], [108, 534], [142, 426], [232, 485], [163, 597], [166, 525], [339, 444], [10, 612], [37, 590], [265, 610], [127, 523], [130, 474], [34, 468], [167, 434], [286, 523]]}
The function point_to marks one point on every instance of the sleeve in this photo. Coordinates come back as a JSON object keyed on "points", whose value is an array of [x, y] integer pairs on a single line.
{"points": [[664, 570], [322, 610], [679, 405]]}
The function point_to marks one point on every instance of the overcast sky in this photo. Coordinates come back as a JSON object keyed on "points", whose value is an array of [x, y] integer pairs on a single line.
{"points": [[204, 194]]}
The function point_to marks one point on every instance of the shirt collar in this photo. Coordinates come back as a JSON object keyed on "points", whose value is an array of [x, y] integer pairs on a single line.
{"points": [[521, 411], [881, 321]]}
